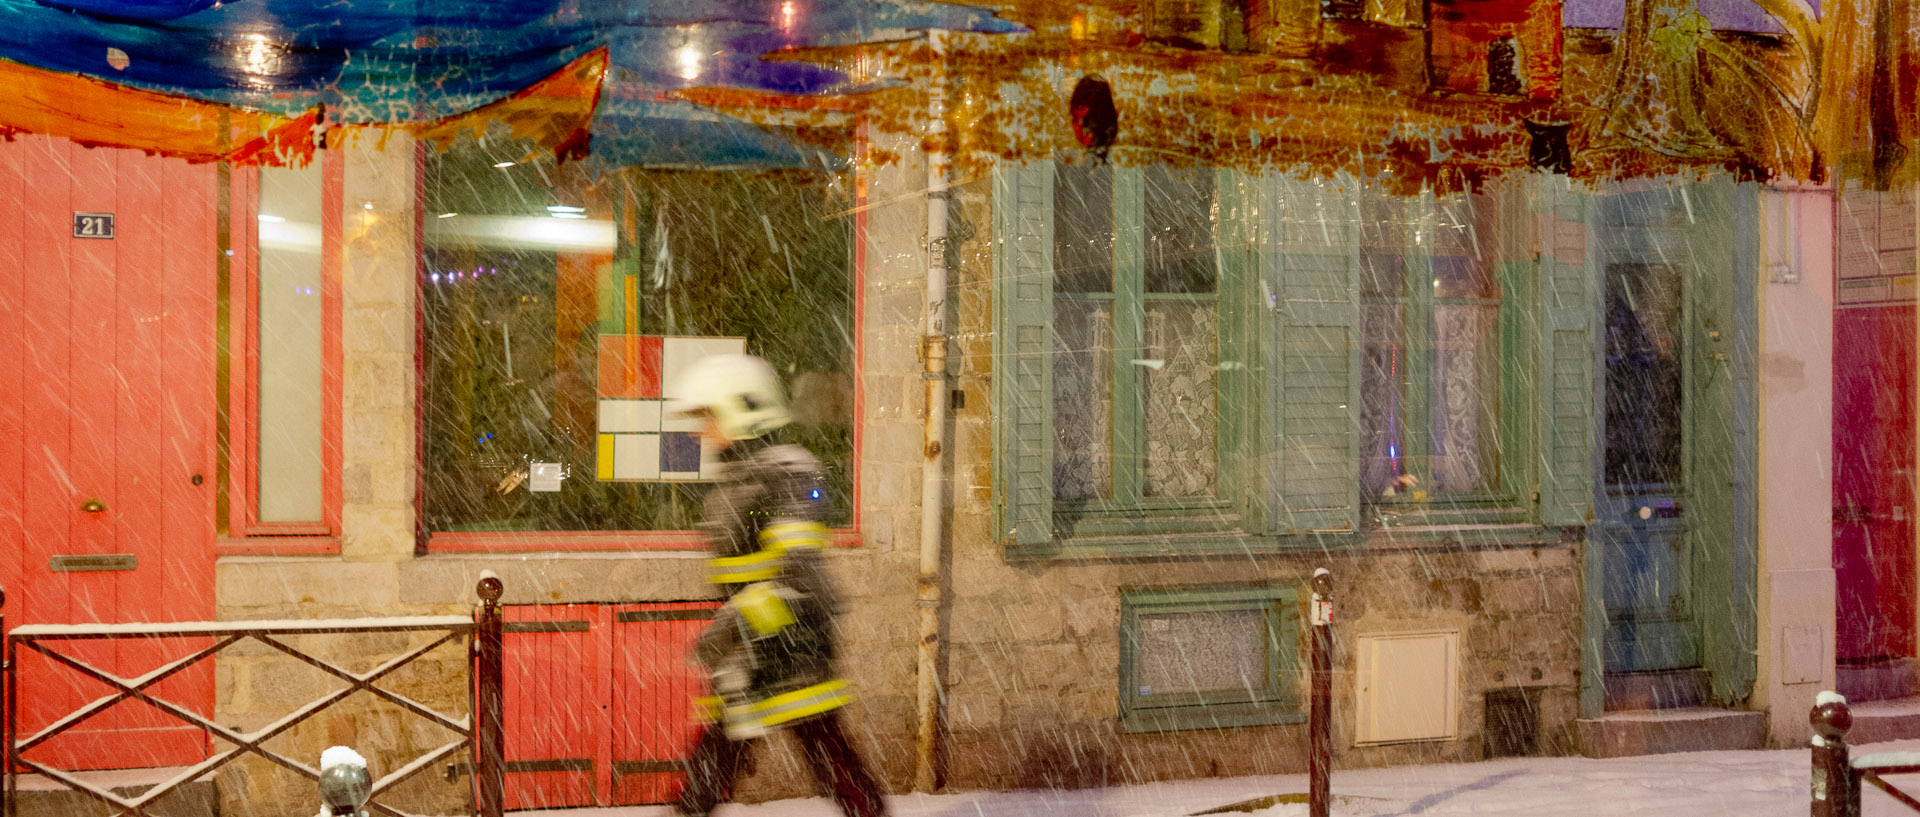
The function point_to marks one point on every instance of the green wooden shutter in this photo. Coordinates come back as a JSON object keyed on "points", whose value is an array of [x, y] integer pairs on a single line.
{"points": [[1312, 259], [1568, 414], [1023, 352]]}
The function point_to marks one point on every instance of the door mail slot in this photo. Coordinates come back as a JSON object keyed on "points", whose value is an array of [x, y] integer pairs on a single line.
{"points": [[80, 563]]}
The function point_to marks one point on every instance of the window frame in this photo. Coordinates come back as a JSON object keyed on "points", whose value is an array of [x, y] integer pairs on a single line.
{"points": [[862, 171], [1279, 703], [1502, 503], [1129, 512], [245, 534]]}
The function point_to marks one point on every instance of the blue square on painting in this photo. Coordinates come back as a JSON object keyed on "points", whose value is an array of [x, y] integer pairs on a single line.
{"points": [[679, 451]]}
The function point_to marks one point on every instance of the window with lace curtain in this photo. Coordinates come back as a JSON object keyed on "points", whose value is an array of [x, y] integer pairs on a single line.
{"points": [[1122, 358], [1431, 387]]}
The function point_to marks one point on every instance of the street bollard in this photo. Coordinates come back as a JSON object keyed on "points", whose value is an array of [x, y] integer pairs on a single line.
{"points": [[1320, 701], [345, 784], [1836, 789], [489, 732]]}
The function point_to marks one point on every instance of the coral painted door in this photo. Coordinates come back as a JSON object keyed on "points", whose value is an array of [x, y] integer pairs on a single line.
{"points": [[107, 431], [556, 712], [599, 707], [654, 683]]}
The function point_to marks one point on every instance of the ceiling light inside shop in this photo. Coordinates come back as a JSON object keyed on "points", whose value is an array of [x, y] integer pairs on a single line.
{"points": [[576, 233]]}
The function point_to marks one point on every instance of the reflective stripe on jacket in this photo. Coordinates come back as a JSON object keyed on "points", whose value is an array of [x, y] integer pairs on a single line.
{"points": [[751, 719]]}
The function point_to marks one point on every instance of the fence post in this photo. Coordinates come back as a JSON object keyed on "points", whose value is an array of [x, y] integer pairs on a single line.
{"points": [[1836, 789], [1320, 702], [12, 805], [489, 733]]}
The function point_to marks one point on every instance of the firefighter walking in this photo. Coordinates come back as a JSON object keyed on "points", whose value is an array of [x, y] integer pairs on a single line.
{"points": [[770, 649]]}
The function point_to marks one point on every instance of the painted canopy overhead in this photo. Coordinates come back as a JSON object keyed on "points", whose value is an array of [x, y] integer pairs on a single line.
{"points": [[1425, 92], [264, 64]]}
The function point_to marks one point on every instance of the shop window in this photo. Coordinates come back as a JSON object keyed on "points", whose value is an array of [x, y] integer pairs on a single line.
{"points": [[1201, 659], [560, 302]]}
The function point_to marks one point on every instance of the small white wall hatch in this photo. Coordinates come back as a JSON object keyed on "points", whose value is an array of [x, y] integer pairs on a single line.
{"points": [[1409, 687]]}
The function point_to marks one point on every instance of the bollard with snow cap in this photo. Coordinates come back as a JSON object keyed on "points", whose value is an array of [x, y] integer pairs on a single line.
{"points": [[1836, 789], [345, 784]]}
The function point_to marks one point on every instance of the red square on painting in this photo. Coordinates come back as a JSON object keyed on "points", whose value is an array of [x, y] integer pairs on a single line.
{"points": [[630, 366]]}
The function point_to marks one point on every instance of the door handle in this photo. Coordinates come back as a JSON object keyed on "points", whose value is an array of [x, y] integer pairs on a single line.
{"points": [[93, 505]]}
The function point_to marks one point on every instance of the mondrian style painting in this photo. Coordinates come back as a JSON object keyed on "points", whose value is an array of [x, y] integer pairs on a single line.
{"points": [[639, 440]]}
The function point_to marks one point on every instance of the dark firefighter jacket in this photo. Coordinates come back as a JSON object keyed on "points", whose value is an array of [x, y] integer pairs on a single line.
{"points": [[771, 648]]}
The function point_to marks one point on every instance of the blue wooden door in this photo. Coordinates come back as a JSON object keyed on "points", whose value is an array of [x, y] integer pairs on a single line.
{"points": [[1642, 518]]}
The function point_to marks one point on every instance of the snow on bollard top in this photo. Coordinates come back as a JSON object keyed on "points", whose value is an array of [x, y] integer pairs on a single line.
{"points": [[1321, 571], [341, 756], [1829, 697]]}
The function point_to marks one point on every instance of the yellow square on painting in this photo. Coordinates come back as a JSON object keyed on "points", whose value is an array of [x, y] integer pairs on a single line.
{"points": [[603, 464]]}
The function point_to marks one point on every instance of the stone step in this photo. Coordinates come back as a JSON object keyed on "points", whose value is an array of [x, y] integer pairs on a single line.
{"points": [[1663, 689], [1877, 680], [1877, 721], [1661, 731], [40, 796]]}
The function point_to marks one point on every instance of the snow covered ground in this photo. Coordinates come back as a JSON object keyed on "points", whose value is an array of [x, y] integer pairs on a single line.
{"points": [[1701, 784]]}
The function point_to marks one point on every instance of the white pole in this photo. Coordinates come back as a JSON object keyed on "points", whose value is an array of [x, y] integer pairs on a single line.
{"points": [[932, 475]]}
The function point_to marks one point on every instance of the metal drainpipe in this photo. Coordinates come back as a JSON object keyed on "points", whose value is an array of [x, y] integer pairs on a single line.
{"points": [[933, 349]]}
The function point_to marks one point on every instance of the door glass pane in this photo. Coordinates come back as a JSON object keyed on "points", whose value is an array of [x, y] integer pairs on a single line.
{"points": [[1180, 214], [1083, 398], [1643, 374], [289, 378], [1182, 353], [1083, 228], [1217, 651]]}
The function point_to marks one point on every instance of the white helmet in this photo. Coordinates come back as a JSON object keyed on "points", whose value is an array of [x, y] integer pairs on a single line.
{"points": [[741, 391]]}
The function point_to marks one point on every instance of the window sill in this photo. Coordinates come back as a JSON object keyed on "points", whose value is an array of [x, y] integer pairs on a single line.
{"points": [[1241, 544], [1465, 534], [1173, 719], [1173, 546], [277, 546]]}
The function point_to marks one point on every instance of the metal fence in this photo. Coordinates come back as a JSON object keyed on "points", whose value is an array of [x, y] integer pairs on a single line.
{"points": [[479, 731]]}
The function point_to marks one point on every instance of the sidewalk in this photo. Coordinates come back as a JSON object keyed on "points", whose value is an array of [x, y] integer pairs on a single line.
{"points": [[1700, 784]]}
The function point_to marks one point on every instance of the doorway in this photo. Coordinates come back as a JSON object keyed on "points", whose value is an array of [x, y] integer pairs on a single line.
{"points": [[1664, 516], [1873, 447], [107, 408]]}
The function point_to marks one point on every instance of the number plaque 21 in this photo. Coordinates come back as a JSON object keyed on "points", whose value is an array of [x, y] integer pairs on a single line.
{"points": [[92, 225]]}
